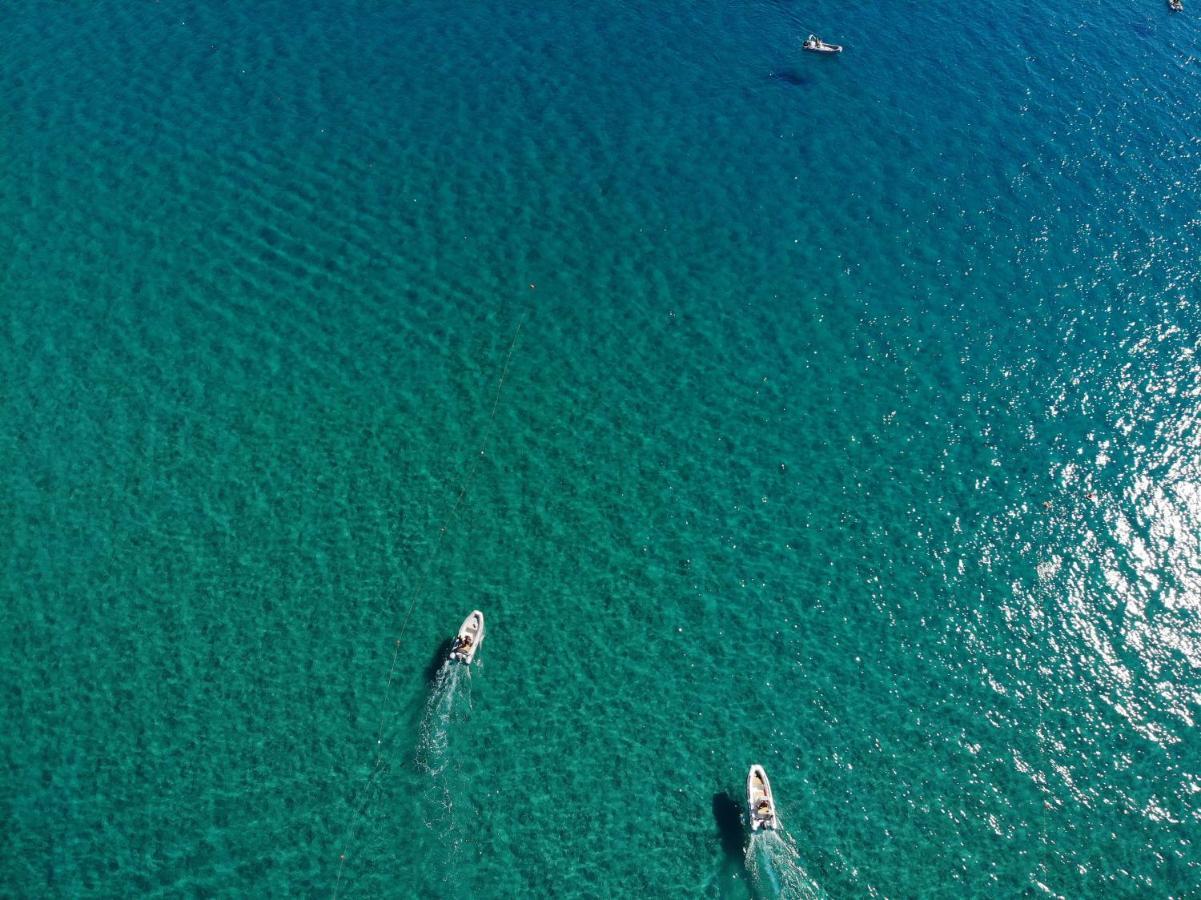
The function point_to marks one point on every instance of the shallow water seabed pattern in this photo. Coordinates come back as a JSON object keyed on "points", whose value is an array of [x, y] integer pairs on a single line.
{"points": [[849, 427]]}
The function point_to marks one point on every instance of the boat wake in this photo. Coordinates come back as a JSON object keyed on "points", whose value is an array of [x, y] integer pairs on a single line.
{"points": [[774, 864], [449, 701], [448, 705]]}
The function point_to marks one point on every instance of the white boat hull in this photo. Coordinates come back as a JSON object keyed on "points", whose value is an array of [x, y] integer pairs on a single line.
{"points": [[469, 638], [817, 45], [760, 805]]}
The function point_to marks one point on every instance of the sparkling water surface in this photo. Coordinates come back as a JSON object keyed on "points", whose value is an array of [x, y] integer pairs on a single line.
{"points": [[837, 414]]}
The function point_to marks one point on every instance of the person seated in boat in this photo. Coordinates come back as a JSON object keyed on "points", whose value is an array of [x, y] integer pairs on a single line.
{"points": [[764, 809]]}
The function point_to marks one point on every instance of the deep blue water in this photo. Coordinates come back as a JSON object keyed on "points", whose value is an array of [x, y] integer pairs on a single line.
{"points": [[837, 414]]}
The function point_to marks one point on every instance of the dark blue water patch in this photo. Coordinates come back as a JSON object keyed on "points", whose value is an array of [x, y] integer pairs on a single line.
{"points": [[727, 816], [790, 77], [438, 659]]}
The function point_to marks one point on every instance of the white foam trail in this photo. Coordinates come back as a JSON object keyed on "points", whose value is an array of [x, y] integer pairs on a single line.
{"points": [[776, 871], [449, 699]]}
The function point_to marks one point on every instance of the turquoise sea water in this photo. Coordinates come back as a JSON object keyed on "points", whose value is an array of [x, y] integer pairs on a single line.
{"points": [[840, 415]]}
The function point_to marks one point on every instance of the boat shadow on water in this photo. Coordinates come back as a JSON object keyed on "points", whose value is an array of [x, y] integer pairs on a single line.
{"points": [[788, 76], [435, 664], [727, 814]]}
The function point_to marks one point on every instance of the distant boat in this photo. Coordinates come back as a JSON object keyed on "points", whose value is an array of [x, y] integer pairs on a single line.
{"points": [[469, 638], [761, 807], [814, 44], [1176, 5]]}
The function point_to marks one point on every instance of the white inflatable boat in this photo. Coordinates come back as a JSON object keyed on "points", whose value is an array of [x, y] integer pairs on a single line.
{"points": [[469, 638], [814, 44], [761, 807]]}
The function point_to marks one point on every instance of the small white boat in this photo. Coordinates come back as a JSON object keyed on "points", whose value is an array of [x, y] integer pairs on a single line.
{"points": [[761, 807], [814, 44], [469, 638], [1176, 5]]}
